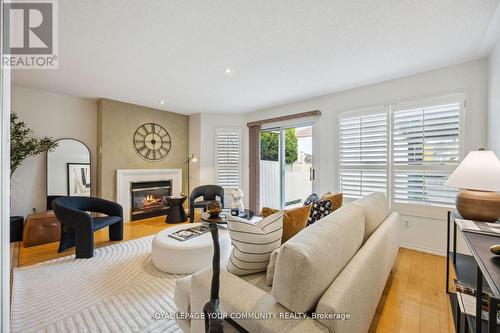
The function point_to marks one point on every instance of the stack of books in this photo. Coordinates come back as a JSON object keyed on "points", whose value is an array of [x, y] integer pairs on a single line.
{"points": [[466, 295], [491, 229], [189, 233]]}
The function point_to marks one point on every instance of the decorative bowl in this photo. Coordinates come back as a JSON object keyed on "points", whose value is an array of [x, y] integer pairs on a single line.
{"points": [[214, 208]]}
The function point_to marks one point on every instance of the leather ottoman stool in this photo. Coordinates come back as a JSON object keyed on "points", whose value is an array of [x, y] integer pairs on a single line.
{"points": [[41, 228]]}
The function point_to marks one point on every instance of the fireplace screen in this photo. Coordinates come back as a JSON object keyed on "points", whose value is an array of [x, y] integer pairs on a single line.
{"points": [[149, 199]]}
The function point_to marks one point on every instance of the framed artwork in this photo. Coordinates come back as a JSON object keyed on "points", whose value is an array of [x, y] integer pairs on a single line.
{"points": [[78, 179]]}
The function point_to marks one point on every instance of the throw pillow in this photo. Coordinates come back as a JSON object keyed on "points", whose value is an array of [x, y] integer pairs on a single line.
{"points": [[253, 243], [336, 199], [294, 220], [311, 199], [266, 211], [319, 210]]}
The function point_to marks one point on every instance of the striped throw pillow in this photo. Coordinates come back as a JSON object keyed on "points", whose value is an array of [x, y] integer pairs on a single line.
{"points": [[253, 242]]}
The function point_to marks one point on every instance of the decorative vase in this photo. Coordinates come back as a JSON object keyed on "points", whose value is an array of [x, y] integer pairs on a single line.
{"points": [[16, 228], [214, 208]]}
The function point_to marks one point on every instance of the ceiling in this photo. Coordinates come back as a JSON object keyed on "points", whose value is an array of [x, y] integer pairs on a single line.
{"points": [[143, 52]]}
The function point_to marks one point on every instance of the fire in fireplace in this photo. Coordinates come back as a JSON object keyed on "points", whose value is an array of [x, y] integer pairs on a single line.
{"points": [[149, 199]]}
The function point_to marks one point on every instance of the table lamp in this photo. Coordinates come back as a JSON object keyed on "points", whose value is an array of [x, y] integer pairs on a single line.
{"points": [[478, 178]]}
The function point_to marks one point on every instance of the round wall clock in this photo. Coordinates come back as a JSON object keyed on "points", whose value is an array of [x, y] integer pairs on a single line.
{"points": [[152, 142]]}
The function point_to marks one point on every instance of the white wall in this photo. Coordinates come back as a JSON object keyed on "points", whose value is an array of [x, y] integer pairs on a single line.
{"points": [[423, 233], [195, 149], [494, 100], [5, 258], [58, 116]]}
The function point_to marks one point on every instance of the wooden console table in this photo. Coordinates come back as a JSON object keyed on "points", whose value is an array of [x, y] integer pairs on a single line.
{"points": [[481, 271]]}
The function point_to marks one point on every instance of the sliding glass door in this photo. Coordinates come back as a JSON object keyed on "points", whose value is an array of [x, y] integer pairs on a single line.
{"points": [[270, 168], [286, 172]]}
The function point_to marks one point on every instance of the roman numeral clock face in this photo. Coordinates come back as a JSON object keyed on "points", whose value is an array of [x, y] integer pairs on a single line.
{"points": [[152, 142]]}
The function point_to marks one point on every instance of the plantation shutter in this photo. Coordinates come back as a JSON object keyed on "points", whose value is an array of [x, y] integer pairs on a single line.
{"points": [[363, 153], [228, 158], [426, 149]]}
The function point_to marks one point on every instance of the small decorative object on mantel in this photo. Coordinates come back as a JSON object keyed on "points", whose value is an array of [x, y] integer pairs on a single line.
{"points": [[152, 142], [214, 208], [237, 204], [478, 178]]}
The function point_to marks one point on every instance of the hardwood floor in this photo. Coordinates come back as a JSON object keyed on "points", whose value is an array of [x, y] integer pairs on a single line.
{"points": [[36, 254], [414, 299]]}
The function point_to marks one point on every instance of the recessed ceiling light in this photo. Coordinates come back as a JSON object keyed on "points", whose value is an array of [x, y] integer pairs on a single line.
{"points": [[162, 102], [228, 70]]}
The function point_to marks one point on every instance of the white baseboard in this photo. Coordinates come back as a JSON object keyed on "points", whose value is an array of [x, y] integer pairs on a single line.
{"points": [[423, 249]]}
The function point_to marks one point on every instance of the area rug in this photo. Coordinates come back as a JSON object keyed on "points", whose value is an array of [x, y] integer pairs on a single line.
{"points": [[118, 290]]}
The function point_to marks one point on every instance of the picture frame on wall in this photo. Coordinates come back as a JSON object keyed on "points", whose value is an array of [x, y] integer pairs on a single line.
{"points": [[78, 179]]}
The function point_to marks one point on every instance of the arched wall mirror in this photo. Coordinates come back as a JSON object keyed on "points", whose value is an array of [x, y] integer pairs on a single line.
{"points": [[68, 170]]}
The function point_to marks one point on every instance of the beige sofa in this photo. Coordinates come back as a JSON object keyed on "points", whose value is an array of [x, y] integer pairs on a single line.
{"points": [[339, 265]]}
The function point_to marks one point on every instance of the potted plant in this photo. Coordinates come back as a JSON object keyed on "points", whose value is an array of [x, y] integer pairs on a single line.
{"points": [[22, 146]]}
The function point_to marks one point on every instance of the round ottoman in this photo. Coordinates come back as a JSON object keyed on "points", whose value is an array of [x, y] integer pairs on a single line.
{"points": [[190, 256]]}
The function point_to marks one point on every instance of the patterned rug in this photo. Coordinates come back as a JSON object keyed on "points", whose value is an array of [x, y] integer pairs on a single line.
{"points": [[118, 290]]}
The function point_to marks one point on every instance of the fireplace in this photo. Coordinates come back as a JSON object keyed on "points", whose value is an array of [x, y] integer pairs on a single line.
{"points": [[149, 198]]}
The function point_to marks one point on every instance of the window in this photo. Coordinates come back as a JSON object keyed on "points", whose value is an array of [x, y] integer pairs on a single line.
{"points": [[424, 145], [426, 149], [228, 141], [363, 153]]}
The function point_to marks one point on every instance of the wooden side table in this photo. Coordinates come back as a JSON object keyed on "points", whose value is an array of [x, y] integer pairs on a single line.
{"points": [[41, 228]]}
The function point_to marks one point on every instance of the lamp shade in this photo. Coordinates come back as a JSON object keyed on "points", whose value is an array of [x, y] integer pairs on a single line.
{"points": [[480, 170]]}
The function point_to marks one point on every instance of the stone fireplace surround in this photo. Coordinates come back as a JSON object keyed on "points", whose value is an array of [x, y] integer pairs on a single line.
{"points": [[124, 178]]}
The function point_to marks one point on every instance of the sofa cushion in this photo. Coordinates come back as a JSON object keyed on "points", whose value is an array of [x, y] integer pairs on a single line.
{"points": [[319, 209], [253, 243], [357, 289], [271, 267], [294, 220], [376, 207], [258, 280], [309, 262], [237, 296], [336, 199]]}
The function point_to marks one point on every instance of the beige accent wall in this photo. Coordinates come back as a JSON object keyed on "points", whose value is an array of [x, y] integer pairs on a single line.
{"points": [[117, 123]]}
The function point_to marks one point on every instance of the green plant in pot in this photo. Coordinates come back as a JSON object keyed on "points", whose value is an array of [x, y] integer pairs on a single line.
{"points": [[23, 145]]}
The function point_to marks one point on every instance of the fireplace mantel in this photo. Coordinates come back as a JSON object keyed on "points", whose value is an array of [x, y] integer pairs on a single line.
{"points": [[126, 176]]}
